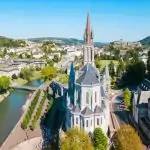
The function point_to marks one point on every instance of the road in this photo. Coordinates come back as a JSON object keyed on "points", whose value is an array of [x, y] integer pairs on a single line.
{"points": [[121, 116]]}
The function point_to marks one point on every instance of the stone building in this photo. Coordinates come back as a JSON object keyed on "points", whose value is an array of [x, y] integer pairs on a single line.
{"points": [[87, 98], [141, 107]]}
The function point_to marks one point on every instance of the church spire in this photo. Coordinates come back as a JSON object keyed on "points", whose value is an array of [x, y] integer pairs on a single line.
{"points": [[88, 35]]}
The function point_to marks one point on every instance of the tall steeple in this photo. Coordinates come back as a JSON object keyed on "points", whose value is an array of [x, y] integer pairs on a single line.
{"points": [[89, 45], [88, 35]]}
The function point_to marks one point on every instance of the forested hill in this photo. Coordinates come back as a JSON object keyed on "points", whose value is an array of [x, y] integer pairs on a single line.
{"points": [[64, 41], [8, 42], [145, 41]]}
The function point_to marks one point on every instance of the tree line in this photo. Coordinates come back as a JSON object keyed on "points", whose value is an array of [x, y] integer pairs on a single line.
{"points": [[38, 113], [4, 84], [30, 111], [10, 43], [125, 138]]}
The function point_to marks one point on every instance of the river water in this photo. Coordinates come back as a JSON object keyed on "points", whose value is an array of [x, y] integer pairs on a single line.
{"points": [[11, 109]]}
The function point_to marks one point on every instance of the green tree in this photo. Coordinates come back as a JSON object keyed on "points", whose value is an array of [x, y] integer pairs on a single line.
{"points": [[20, 56], [5, 51], [118, 72], [76, 68], [56, 58], [76, 139], [50, 62], [63, 78], [98, 64], [63, 52], [135, 72], [14, 76], [4, 83], [100, 139], [49, 72], [120, 68], [111, 69], [26, 73], [127, 98], [148, 64], [126, 138]]}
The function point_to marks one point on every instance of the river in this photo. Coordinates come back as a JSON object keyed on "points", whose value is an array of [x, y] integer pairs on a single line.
{"points": [[11, 109]]}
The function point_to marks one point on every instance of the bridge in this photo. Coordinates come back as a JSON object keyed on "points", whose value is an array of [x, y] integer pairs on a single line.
{"points": [[28, 88]]}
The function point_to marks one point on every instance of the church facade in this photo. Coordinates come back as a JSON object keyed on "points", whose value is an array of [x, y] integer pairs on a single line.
{"points": [[88, 92]]}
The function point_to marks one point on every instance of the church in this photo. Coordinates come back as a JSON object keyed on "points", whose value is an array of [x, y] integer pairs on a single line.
{"points": [[88, 91], [84, 103]]}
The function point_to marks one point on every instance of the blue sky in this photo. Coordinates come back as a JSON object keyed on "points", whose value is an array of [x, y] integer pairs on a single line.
{"points": [[111, 19]]}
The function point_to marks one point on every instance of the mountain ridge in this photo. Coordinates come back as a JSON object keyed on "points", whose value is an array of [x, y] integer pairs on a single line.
{"points": [[145, 41], [65, 41]]}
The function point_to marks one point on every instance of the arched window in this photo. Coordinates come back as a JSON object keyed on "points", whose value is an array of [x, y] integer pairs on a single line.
{"points": [[87, 97], [95, 97]]}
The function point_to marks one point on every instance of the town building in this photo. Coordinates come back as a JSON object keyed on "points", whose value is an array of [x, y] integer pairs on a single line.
{"points": [[10, 67], [141, 107]]}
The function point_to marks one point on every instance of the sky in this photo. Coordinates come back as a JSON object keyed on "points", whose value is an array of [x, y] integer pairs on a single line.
{"points": [[111, 19]]}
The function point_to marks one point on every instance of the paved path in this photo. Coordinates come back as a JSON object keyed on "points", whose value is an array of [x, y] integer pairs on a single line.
{"points": [[32, 144]]}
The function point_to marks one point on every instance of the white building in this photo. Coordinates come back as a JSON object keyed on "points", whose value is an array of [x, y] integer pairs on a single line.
{"points": [[87, 98], [9, 72], [143, 57], [141, 107]]}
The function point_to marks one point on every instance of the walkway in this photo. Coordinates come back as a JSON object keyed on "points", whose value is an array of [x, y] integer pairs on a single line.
{"points": [[32, 144], [29, 88]]}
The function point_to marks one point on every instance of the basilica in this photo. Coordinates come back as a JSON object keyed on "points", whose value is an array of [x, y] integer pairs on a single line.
{"points": [[87, 97], [84, 103]]}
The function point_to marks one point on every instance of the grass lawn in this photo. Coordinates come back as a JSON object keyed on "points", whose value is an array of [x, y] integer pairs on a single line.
{"points": [[36, 75], [19, 81], [104, 62]]}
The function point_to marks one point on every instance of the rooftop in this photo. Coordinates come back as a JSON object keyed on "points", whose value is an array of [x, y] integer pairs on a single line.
{"points": [[88, 75], [87, 111]]}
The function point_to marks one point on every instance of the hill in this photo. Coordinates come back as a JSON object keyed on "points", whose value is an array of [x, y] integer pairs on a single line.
{"points": [[64, 41], [8, 42], [145, 41]]}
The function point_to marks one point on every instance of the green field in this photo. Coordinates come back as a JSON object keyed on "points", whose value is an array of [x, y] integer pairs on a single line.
{"points": [[104, 62], [36, 75], [20, 81]]}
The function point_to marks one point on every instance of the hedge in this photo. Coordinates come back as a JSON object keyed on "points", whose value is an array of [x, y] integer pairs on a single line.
{"points": [[38, 113], [30, 111]]}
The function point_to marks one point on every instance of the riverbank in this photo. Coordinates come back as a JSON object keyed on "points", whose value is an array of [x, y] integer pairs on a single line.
{"points": [[18, 135], [20, 81], [3, 96]]}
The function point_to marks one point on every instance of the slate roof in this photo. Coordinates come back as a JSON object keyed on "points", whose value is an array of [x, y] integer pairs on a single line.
{"points": [[89, 75], [87, 111], [98, 110], [76, 109], [90, 68]]}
